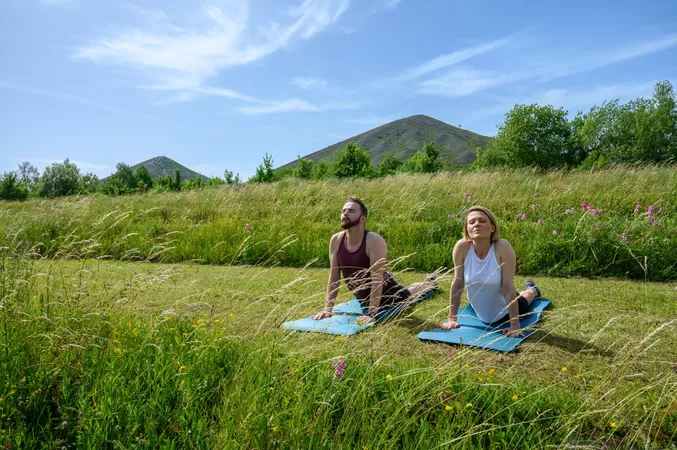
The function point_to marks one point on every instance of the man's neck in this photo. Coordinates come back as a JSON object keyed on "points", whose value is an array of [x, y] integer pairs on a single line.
{"points": [[355, 235], [482, 247]]}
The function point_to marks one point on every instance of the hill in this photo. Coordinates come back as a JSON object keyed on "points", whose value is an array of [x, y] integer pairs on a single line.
{"points": [[161, 166], [404, 137]]}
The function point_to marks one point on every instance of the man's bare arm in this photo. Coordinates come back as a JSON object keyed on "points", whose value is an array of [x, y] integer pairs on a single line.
{"points": [[334, 279]]}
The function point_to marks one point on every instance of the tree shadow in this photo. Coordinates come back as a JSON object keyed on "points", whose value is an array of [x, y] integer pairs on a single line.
{"points": [[570, 345]]}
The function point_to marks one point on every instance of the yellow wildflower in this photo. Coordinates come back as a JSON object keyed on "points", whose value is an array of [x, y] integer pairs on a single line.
{"points": [[468, 405], [448, 408], [118, 351], [613, 425], [564, 369], [389, 377], [491, 371], [115, 341], [514, 398]]}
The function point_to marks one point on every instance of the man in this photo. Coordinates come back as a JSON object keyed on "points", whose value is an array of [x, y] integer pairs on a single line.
{"points": [[359, 256]]}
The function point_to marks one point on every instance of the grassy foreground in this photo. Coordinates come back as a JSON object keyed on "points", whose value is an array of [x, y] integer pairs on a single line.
{"points": [[560, 223], [98, 354]]}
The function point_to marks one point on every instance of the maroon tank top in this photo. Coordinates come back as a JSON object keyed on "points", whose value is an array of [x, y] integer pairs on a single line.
{"points": [[354, 267]]}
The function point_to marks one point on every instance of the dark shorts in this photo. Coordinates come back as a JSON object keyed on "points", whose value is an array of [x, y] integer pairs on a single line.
{"points": [[392, 295], [522, 305]]}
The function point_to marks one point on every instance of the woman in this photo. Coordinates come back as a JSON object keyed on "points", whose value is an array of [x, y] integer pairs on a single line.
{"points": [[486, 264]]}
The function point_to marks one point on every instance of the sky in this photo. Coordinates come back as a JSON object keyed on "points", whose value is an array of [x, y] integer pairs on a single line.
{"points": [[218, 84]]}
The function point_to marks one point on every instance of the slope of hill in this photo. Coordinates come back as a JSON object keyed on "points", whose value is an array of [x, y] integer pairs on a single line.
{"points": [[161, 166], [404, 137]]}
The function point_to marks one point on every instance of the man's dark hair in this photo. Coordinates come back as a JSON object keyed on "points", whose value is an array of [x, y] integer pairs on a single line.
{"points": [[359, 202]]}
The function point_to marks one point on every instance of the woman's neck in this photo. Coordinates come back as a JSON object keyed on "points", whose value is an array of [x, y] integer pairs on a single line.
{"points": [[482, 247]]}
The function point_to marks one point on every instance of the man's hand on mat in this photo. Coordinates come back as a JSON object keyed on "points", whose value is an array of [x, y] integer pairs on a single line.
{"points": [[365, 319], [322, 314], [449, 324], [513, 332]]}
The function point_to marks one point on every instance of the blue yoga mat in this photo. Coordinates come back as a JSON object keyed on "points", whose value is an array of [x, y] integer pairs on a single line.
{"points": [[344, 322], [475, 333]]}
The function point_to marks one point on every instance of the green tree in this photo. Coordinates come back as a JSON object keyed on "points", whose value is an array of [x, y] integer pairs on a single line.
{"points": [[230, 178], [121, 182], [532, 135], [389, 165], [176, 184], [321, 170], [351, 162], [29, 176], [90, 183], [60, 179], [304, 168], [11, 187], [264, 172], [143, 178], [426, 160]]}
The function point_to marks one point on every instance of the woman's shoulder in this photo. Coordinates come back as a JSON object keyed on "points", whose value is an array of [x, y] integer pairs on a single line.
{"points": [[502, 245]]}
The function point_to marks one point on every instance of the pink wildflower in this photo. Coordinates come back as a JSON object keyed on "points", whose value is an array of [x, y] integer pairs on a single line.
{"points": [[637, 208], [624, 238], [246, 227], [533, 206], [655, 223], [539, 221], [339, 368]]}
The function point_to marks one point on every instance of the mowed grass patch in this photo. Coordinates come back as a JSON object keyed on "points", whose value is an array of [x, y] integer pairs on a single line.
{"points": [[192, 356]]}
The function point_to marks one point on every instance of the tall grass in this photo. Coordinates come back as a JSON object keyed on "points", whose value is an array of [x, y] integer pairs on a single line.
{"points": [[98, 354], [289, 223]]}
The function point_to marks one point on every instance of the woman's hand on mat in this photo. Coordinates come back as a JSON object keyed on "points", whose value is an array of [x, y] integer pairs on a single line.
{"points": [[513, 332], [322, 314], [449, 324]]}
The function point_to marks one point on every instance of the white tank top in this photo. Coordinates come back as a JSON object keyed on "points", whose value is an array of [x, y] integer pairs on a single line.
{"points": [[484, 282]]}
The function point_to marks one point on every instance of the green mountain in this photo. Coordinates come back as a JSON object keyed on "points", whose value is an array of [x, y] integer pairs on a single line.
{"points": [[161, 166], [404, 137]]}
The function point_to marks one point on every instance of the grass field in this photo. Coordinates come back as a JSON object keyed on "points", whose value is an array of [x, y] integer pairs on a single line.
{"points": [[109, 354], [619, 222]]}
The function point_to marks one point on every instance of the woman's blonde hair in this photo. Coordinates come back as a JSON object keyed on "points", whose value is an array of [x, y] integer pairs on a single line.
{"points": [[495, 236]]}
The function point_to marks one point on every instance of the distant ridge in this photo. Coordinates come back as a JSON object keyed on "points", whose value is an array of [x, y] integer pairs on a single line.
{"points": [[161, 166], [404, 137]]}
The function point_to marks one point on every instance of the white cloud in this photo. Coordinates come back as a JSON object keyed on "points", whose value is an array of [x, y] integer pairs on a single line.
{"points": [[602, 58], [385, 5], [572, 100], [450, 59], [182, 59], [309, 83], [75, 99], [467, 80], [294, 105]]}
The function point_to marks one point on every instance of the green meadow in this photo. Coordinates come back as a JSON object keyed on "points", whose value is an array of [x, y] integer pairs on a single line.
{"points": [[289, 223], [153, 321]]}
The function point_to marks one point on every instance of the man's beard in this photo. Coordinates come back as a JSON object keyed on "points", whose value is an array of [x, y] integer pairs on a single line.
{"points": [[350, 223]]}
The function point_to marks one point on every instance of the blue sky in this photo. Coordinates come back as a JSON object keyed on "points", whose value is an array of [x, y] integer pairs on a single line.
{"points": [[217, 84]]}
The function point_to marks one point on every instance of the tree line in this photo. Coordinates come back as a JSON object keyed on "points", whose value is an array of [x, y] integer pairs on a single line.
{"points": [[642, 131]]}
